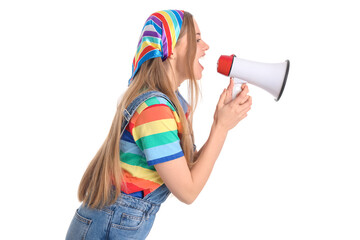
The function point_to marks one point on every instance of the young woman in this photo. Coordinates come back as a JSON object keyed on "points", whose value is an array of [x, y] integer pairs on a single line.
{"points": [[149, 151]]}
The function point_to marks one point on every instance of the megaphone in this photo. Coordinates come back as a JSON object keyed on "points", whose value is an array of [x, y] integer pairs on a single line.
{"points": [[268, 76]]}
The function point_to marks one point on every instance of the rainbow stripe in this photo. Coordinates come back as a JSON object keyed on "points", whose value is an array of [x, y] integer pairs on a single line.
{"points": [[151, 137], [158, 37]]}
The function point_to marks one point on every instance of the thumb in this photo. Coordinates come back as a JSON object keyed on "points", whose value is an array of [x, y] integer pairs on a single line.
{"points": [[231, 84], [222, 99]]}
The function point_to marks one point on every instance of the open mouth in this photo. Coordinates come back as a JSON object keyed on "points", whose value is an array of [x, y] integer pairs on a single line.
{"points": [[200, 60]]}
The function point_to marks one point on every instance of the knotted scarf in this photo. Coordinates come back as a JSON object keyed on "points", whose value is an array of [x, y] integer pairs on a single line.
{"points": [[158, 37]]}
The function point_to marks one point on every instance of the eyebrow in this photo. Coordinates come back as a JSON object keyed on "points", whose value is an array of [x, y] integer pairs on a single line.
{"points": [[198, 34]]}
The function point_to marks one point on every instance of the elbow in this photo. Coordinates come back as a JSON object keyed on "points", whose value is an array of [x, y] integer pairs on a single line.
{"points": [[188, 200]]}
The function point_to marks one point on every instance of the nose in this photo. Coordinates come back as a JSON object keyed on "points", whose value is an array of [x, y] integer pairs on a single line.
{"points": [[206, 46]]}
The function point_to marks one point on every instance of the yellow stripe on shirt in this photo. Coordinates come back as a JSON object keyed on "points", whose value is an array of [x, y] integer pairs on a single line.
{"points": [[141, 107], [154, 127], [142, 173]]}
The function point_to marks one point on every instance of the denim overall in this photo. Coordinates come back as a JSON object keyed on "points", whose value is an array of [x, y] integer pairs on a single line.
{"points": [[129, 217]]}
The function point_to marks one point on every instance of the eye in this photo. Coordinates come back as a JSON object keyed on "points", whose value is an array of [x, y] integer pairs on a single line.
{"points": [[198, 40]]}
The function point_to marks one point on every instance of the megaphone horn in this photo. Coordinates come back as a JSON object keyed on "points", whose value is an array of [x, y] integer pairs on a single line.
{"points": [[269, 76]]}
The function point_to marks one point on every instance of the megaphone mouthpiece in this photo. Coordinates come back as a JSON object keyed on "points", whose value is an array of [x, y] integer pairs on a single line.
{"points": [[225, 64]]}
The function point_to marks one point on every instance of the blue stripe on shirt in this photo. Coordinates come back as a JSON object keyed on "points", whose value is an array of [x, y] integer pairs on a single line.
{"points": [[162, 150], [166, 159]]}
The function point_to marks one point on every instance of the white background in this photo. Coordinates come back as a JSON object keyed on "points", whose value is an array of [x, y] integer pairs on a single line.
{"points": [[290, 170]]}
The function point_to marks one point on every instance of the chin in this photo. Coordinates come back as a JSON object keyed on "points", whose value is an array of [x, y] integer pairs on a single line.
{"points": [[198, 75]]}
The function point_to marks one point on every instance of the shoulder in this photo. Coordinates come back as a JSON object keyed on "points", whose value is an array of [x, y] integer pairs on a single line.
{"points": [[155, 104], [155, 117], [155, 110]]}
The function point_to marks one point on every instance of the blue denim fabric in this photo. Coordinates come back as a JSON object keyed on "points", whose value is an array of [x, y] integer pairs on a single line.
{"points": [[129, 217]]}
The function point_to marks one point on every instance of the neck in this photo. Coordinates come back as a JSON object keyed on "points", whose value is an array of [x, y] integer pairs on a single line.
{"points": [[174, 78]]}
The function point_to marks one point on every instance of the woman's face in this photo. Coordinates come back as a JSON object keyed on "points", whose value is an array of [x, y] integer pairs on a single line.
{"points": [[180, 56], [201, 47]]}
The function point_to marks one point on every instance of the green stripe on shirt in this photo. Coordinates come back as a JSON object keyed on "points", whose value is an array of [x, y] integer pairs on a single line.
{"points": [[158, 139], [152, 101], [135, 160]]}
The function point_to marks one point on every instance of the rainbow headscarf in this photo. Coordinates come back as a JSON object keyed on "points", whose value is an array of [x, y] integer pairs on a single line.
{"points": [[158, 37]]}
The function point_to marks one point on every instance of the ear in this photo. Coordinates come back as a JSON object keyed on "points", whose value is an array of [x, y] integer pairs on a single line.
{"points": [[172, 56]]}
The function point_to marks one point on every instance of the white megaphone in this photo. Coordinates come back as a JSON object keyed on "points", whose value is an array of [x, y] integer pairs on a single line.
{"points": [[268, 76]]}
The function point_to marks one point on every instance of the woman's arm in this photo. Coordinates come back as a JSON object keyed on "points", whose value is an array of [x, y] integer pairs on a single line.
{"points": [[185, 183]]}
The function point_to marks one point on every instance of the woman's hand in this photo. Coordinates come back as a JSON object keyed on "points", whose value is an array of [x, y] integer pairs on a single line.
{"points": [[229, 112], [185, 183]]}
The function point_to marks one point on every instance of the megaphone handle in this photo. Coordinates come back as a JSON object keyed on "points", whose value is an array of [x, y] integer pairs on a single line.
{"points": [[237, 87]]}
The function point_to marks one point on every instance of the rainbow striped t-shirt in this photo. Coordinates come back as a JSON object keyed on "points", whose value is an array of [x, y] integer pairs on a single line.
{"points": [[151, 137]]}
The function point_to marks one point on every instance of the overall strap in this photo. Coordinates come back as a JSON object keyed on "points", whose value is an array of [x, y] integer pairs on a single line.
{"points": [[131, 109]]}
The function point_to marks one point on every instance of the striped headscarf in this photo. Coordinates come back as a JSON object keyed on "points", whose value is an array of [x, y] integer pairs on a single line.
{"points": [[158, 37]]}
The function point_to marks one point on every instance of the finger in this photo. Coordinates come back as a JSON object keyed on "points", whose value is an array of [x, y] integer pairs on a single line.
{"points": [[243, 108], [222, 98], [242, 96], [243, 116], [245, 99], [247, 103], [229, 91], [245, 89], [243, 112], [243, 86], [231, 84]]}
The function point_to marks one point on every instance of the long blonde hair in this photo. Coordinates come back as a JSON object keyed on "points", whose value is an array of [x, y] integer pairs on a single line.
{"points": [[101, 182]]}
